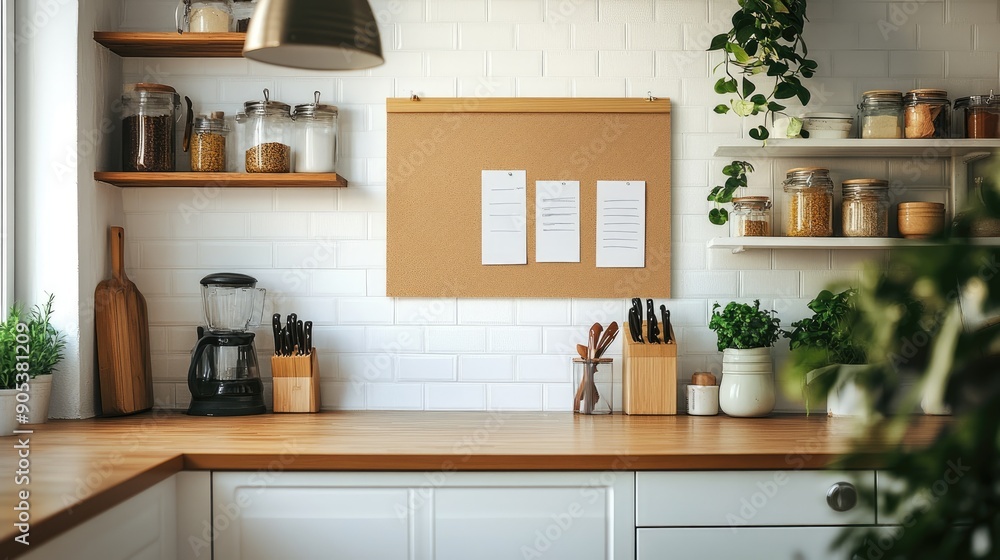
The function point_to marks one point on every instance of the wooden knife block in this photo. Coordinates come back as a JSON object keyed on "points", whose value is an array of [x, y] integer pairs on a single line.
{"points": [[295, 383], [649, 376]]}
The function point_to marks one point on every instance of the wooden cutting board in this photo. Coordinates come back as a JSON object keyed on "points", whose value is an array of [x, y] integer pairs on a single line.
{"points": [[126, 374]]}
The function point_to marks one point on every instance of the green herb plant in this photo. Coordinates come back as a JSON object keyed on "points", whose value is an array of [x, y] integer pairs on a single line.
{"points": [[766, 39], [742, 326], [45, 343]]}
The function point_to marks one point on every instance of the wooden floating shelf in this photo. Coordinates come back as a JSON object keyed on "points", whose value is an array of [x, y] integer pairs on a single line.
{"points": [[221, 180], [172, 44], [858, 147], [741, 244]]}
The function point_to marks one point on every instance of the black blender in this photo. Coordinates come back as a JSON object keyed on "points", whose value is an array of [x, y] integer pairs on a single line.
{"points": [[224, 377]]}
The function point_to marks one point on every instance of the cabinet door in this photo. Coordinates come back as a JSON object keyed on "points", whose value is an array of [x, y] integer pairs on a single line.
{"points": [[763, 543], [144, 527], [424, 516]]}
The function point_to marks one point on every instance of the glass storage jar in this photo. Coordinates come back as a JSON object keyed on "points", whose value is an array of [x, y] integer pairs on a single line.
{"points": [[880, 114], [315, 143], [202, 16], [242, 12], [808, 202], [928, 113], [977, 116], [865, 208], [149, 127], [265, 136], [208, 143], [751, 217]]}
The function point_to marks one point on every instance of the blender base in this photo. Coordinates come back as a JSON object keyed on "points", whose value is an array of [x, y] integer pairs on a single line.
{"points": [[244, 405]]}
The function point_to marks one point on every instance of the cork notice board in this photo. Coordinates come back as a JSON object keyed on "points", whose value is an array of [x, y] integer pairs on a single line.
{"points": [[437, 150]]}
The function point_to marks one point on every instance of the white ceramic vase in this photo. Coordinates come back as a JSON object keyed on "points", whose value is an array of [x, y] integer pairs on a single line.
{"points": [[847, 399], [747, 388], [8, 404], [40, 389]]}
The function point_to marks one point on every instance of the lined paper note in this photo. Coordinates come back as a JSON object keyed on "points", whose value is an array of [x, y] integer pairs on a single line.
{"points": [[505, 223], [621, 224], [557, 221]]}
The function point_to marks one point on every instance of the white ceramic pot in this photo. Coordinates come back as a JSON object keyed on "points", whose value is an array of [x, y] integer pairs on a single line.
{"points": [[827, 125], [847, 399], [40, 390], [8, 402], [747, 388]]}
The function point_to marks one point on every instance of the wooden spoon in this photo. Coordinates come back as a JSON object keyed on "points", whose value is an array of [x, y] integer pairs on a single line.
{"points": [[594, 336], [606, 339], [582, 351]]}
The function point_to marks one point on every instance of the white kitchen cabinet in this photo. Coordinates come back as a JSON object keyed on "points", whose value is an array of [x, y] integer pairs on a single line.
{"points": [[424, 516], [144, 527], [762, 543]]}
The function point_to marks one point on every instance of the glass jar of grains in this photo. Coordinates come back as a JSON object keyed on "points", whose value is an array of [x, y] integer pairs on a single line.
{"points": [[751, 217], [865, 208], [315, 137], [808, 202], [208, 143], [149, 119], [928, 113], [880, 114], [266, 133]]}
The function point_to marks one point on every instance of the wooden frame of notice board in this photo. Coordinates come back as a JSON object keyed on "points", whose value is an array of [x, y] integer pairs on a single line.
{"points": [[437, 150]]}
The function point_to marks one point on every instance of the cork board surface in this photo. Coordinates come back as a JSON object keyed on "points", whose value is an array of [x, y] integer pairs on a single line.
{"points": [[435, 162]]}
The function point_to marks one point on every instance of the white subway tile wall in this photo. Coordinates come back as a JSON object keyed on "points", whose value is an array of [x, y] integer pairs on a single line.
{"points": [[321, 252]]}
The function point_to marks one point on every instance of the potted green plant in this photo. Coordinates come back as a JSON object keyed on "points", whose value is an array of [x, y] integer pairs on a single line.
{"points": [[33, 336], [831, 346], [745, 336]]}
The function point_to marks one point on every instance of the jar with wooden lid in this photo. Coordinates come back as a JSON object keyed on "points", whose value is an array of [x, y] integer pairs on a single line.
{"points": [[880, 114], [808, 202], [266, 136], [928, 113], [149, 127], [208, 143], [751, 217], [977, 116], [865, 207]]}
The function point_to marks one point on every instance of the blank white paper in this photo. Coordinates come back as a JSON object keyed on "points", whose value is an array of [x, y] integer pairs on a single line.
{"points": [[621, 224], [557, 221], [505, 223]]}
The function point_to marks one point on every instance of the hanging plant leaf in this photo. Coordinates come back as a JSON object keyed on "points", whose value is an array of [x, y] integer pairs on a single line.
{"points": [[748, 87], [785, 90], [803, 94], [743, 108], [720, 86], [738, 52], [718, 216], [715, 192], [721, 109]]}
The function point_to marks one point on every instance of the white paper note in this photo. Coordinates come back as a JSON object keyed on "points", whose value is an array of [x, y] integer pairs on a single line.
{"points": [[557, 221], [621, 224], [505, 223]]}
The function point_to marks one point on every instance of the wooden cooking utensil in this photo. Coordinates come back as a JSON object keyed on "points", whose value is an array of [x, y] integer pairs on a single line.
{"points": [[122, 339], [582, 351], [607, 338]]}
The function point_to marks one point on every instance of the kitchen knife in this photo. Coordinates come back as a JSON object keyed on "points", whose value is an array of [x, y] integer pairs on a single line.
{"points": [[276, 327], [666, 324], [292, 318], [300, 337], [652, 327], [286, 342], [308, 335], [634, 326]]}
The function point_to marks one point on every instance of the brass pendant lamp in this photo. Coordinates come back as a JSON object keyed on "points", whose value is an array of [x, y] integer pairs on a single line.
{"points": [[314, 34]]}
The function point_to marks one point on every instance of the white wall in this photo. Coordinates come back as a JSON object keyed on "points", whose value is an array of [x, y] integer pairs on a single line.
{"points": [[379, 353]]}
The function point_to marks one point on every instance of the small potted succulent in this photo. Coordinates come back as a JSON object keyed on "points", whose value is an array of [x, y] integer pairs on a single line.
{"points": [[33, 346], [746, 334]]}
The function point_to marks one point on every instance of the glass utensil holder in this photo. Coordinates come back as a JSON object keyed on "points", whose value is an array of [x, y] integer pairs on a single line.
{"points": [[593, 383]]}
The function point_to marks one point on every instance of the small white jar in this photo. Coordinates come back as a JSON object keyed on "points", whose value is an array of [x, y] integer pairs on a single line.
{"points": [[747, 388], [703, 400]]}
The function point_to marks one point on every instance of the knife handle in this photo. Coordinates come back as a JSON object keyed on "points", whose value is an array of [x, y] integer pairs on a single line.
{"points": [[300, 337], [308, 334]]}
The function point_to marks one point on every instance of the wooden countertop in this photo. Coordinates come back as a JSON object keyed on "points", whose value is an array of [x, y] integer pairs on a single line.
{"points": [[81, 468]]}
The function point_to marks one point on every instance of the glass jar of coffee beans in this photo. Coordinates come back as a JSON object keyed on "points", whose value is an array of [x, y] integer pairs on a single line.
{"points": [[266, 136], [808, 202], [208, 143], [865, 208], [751, 217], [149, 120]]}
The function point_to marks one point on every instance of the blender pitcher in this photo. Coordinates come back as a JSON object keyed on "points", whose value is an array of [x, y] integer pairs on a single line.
{"points": [[232, 301]]}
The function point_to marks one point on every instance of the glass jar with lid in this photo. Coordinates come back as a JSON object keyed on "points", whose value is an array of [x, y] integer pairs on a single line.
{"points": [[977, 116], [880, 114], [808, 202], [242, 12], [149, 127], [208, 143], [315, 142], [751, 217], [928, 113], [202, 16], [266, 136], [865, 207]]}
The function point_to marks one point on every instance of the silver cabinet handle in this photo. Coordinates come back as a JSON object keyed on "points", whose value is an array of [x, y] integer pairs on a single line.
{"points": [[842, 496]]}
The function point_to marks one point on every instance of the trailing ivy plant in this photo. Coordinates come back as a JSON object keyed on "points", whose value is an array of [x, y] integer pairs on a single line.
{"points": [[743, 326], [766, 38]]}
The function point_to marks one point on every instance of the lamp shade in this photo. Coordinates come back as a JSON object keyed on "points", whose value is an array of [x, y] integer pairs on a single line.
{"points": [[314, 34]]}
